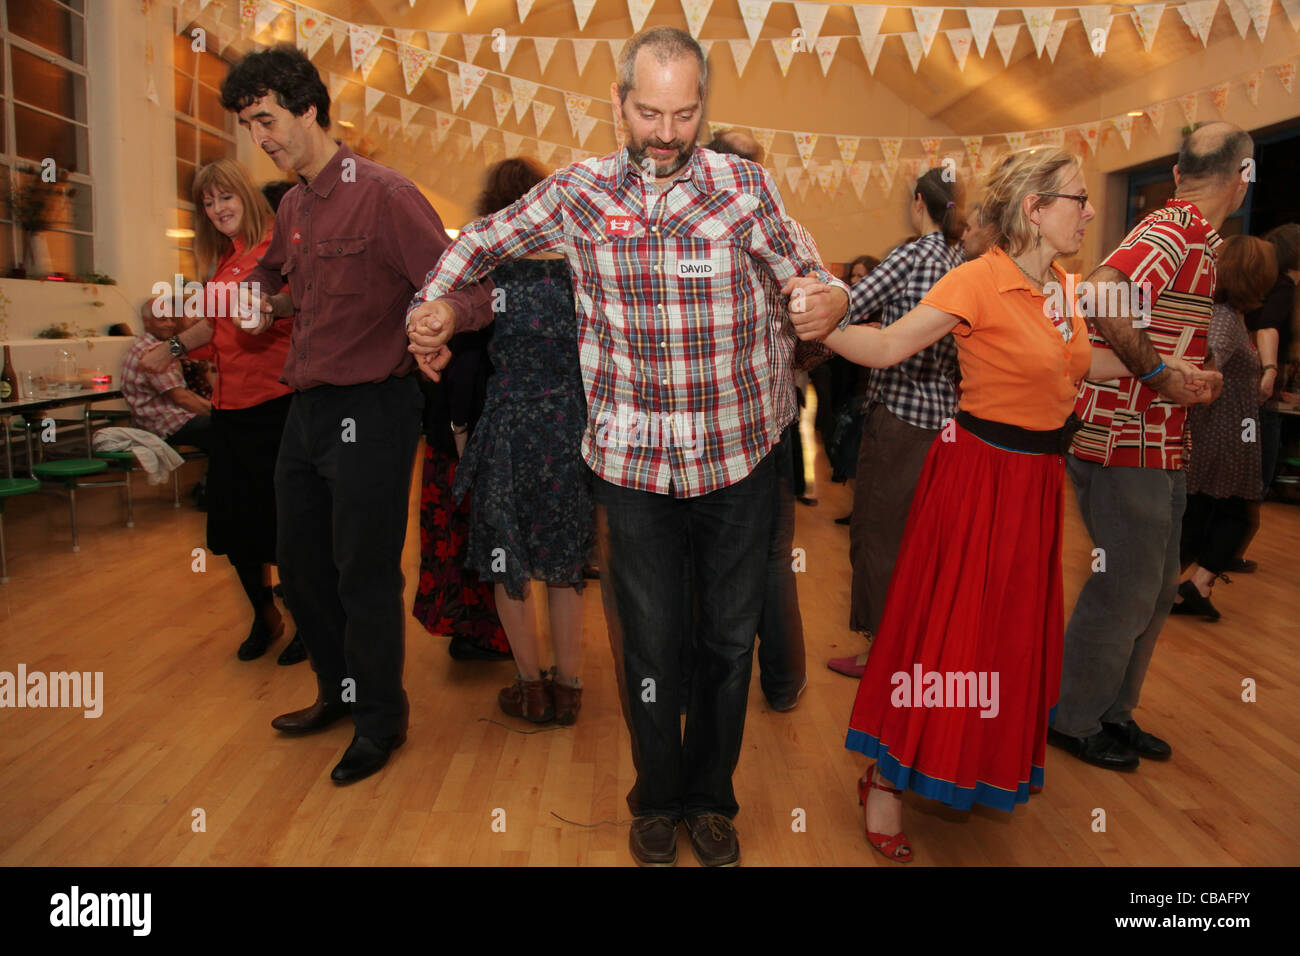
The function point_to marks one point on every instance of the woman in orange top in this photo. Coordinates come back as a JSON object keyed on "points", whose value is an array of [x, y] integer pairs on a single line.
{"points": [[955, 698], [251, 403]]}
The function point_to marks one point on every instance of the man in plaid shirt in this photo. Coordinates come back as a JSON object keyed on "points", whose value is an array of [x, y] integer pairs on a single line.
{"points": [[1126, 460], [667, 244]]}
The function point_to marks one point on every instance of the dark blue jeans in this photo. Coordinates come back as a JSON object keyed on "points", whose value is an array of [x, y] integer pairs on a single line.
{"points": [[781, 662], [645, 541]]}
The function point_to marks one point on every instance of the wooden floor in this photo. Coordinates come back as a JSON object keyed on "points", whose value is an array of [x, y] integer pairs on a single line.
{"points": [[185, 728]]}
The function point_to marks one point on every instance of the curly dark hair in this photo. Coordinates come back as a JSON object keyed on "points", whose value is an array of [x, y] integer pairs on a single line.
{"points": [[506, 182], [869, 261], [283, 70]]}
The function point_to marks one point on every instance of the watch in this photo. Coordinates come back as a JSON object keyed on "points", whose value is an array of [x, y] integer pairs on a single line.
{"points": [[175, 347]]}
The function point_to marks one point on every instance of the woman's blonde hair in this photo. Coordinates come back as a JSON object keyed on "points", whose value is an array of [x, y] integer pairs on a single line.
{"points": [[226, 175], [1039, 169]]}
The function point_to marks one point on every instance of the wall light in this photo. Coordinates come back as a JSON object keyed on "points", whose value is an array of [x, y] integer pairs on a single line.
{"points": [[180, 233], [453, 233]]}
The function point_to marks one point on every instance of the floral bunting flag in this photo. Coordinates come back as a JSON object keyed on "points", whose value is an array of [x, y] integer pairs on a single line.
{"points": [[784, 50], [408, 110], [805, 143], [582, 48], [859, 174], [1199, 17], [1038, 21], [369, 62], [930, 146], [542, 114], [960, 41], [501, 101], [1090, 133], [889, 149], [826, 52], [915, 49], [576, 106], [1189, 102], [545, 46], [1219, 96], [927, 25], [1124, 124], [414, 62], [764, 138], [848, 147], [696, 11], [811, 17], [754, 12], [638, 10], [1096, 20], [1006, 40], [1146, 17], [363, 41], [1252, 87], [871, 48], [1286, 74], [522, 92], [473, 42], [470, 78], [981, 26], [1156, 114], [1054, 38], [740, 52], [311, 31], [972, 145]]}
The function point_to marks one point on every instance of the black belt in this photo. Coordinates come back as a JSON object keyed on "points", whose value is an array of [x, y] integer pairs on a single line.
{"points": [[1054, 442]]}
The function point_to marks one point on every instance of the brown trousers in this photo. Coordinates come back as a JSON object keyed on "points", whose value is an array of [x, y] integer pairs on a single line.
{"points": [[889, 466]]}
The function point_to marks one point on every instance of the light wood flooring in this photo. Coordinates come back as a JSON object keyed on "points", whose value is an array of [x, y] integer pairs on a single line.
{"points": [[185, 728]]}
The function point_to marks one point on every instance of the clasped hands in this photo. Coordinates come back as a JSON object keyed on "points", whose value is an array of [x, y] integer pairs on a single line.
{"points": [[430, 327], [816, 308], [1188, 385]]}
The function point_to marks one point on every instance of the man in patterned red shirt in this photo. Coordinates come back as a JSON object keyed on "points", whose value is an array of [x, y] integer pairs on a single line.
{"points": [[668, 244], [1126, 461]]}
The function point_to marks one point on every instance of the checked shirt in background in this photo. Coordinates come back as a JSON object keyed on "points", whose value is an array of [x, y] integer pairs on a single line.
{"points": [[920, 390], [673, 316]]}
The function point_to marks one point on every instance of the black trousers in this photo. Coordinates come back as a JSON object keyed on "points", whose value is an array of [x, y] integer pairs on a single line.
{"points": [[342, 483], [1214, 530]]}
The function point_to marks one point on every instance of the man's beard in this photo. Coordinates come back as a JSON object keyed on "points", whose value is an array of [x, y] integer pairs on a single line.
{"points": [[640, 155]]}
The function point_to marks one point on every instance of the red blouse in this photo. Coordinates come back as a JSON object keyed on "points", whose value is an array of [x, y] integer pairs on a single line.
{"points": [[248, 366]]}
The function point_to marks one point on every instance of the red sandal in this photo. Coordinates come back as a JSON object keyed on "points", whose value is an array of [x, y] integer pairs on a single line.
{"points": [[895, 847]]}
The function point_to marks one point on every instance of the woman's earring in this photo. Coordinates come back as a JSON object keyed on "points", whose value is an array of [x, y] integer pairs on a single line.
{"points": [[1038, 236]]}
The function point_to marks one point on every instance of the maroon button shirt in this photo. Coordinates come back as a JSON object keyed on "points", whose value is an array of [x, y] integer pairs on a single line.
{"points": [[354, 245]]}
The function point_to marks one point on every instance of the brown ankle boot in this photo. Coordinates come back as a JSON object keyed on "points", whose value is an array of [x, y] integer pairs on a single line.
{"points": [[568, 700], [529, 699]]}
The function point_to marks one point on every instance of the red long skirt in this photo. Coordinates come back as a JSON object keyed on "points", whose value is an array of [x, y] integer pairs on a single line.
{"points": [[966, 668]]}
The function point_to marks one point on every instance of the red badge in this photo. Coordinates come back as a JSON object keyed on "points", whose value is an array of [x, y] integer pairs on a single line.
{"points": [[297, 236], [619, 225]]}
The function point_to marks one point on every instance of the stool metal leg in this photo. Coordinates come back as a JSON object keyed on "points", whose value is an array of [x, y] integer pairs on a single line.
{"points": [[176, 487], [72, 506], [4, 562], [130, 510]]}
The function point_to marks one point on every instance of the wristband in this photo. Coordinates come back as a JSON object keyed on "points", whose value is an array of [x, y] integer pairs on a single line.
{"points": [[1153, 373], [1265, 368]]}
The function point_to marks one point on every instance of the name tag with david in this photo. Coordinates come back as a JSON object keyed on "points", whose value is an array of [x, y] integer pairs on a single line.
{"points": [[696, 269]]}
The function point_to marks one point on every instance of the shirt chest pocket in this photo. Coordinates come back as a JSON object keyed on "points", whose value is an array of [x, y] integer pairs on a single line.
{"points": [[343, 265]]}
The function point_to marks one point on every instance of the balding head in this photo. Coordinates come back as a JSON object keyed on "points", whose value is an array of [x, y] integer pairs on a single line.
{"points": [[1214, 153], [738, 144]]}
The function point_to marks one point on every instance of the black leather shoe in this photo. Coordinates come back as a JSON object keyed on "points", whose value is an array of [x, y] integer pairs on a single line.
{"points": [[1138, 740], [653, 841], [1193, 603], [1242, 566], [714, 839], [311, 719], [259, 639], [293, 652], [845, 519], [1101, 749], [788, 702], [364, 756]]}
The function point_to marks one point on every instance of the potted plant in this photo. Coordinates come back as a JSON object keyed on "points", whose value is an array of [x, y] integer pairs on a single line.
{"points": [[34, 200]]}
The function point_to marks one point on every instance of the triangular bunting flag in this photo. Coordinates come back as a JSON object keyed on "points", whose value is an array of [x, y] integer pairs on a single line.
{"points": [[1189, 102], [585, 126], [1286, 74], [848, 147], [930, 146], [408, 109], [472, 42], [491, 151], [784, 50], [1146, 17], [754, 12], [779, 162], [972, 145], [363, 40], [470, 78], [981, 26], [740, 51], [523, 92], [1259, 11], [706, 46], [266, 13], [505, 47], [1240, 16], [1219, 96], [311, 30], [805, 143], [373, 97], [837, 174], [1090, 133], [542, 114], [915, 49], [469, 6], [1156, 114], [456, 91], [340, 33], [1006, 41], [1125, 126], [871, 48], [501, 101], [793, 174], [369, 62], [1016, 141], [1038, 21], [436, 42], [523, 6], [403, 36], [823, 176], [889, 149], [811, 17], [576, 105], [1096, 20], [616, 47], [462, 146], [414, 62], [887, 171], [859, 174], [1252, 87], [443, 123], [582, 48], [638, 10], [544, 151], [927, 24], [512, 142], [696, 11], [764, 138], [337, 84], [476, 131], [545, 47], [1052, 137], [1199, 17], [1292, 9], [1054, 38], [582, 10], [960, 40], [826, 52]]}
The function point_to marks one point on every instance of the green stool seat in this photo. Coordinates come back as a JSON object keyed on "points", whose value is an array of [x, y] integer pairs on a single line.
{"points": [[63, 469], [1293, 462], [9, 488]]}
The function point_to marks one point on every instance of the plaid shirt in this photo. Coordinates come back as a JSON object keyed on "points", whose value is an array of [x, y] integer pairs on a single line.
{"points": [[1125, 423], [677, 329], [146, 392], [921, 390]]}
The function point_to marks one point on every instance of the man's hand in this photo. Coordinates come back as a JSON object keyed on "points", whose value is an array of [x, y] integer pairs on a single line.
{"points": [[256, 312], [1185, 384], [1266, 385], [430, 327], [157, 359], [815, 307]]}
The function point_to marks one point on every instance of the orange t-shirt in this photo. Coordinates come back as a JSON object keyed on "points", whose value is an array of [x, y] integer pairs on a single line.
{"points": [[1016, 367]]}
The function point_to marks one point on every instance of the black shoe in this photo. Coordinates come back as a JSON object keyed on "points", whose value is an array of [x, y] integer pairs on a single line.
{"points": [[259, 639], [847, 519], [1101, 749], [1193, 604], [653, 841], [788, 703], [591, 571], [293, 652], [278, 591], [463, 649], [364, 756], [1241, 566], [805, 500], [1141, 742], [311, 719], [714, 839]]}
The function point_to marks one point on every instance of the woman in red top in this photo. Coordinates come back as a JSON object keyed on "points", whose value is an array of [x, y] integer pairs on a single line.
{"points": [[251, 403]]}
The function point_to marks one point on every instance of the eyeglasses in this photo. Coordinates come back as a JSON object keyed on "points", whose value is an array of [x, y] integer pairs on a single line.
{"points": [[1081, 198]]}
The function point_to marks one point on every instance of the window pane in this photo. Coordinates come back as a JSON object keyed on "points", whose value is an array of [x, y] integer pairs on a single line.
{"points": [[187, 138], [70, 254], [213, 147], [182, 53], [185, 264], [4, 73], [6, 249], [210, 109], [40, 136], [45, 85], [184, 180], [184, 89], [212, 69], [4, 133], [185, 220], [49, 25]]}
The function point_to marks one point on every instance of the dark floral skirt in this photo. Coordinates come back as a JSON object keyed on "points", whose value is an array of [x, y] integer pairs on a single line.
{"points": [[451, 600]]}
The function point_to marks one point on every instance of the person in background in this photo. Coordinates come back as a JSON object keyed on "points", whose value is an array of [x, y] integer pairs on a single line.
{"points": [[250, 404], [354, 240], [450, 599], [1223, 464], [979, 235], [847, 397], [160, 401], [834, 380], [531, 510], [907, 403], [274, 191]]}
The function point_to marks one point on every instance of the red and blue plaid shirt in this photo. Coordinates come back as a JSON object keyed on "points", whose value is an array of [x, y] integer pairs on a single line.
{"points": [[678, 338]]}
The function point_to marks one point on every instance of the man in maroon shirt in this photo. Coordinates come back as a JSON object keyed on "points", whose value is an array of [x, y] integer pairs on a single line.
{"points": [[354, 240]]}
